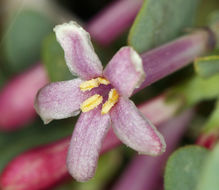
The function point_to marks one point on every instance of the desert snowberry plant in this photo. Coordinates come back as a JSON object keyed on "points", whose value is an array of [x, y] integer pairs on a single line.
{"points": [[103, 98]]}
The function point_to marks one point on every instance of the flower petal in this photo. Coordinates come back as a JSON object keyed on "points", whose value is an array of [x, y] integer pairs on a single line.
{"points": [[85, 145], [79, 52], [134, 130], [60, 100], [125, 71]]}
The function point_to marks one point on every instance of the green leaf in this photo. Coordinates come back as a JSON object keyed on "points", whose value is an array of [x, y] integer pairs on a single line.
{"points": [[213, 121], [213, 20], [54, 61], [209, 175], [183, 168], [207, 66], [205, 9], [23, 39], [195, 90], [13, 143], [213, 15], [160, 21]]}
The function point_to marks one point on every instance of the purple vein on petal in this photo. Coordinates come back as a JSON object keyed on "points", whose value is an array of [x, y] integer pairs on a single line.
{"points": [[134, 130], [60, 100], [79, 52], [125, 71], [86, 143]]}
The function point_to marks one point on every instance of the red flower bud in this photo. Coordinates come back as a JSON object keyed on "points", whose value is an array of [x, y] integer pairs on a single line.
{"points": [[207, 140]]}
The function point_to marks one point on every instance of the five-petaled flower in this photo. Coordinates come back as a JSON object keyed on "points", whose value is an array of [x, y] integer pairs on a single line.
{"points": [[102, 96]]}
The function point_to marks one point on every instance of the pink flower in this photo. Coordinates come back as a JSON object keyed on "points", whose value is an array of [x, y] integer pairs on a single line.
{"points": [[102, 96]]}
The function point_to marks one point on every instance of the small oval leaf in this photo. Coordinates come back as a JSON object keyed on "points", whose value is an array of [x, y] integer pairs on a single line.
{"points": [[183, 168], [160, 21], [209, 176], [22, 42]]}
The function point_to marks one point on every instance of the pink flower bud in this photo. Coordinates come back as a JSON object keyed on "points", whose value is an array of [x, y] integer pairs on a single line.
{"points": [[17, 98], [37, 168]]}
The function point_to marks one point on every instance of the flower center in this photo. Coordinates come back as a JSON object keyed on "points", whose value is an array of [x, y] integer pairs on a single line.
{"points": [[97, 99]]}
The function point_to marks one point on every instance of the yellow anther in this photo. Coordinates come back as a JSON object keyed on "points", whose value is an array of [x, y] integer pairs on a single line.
{"points": [[112, 100], [93, 83], [91, 103], [103, 81], [88, 85]]}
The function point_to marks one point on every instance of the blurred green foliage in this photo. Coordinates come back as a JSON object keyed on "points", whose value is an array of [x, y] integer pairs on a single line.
{"points": [[183, 168], [2, 78], [195, 90], [23, 38], [210, 172], [212, 123], [53, 59], [161, 21], [205, 10], [207, 66]]}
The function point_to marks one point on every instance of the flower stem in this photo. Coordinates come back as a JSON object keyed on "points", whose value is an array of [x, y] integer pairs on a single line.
{"points": [[53, 156], [148, 170]]}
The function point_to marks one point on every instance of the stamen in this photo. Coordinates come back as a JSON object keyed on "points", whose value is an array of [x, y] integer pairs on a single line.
{"points": [[103, 81], [112, 100], [91, 103], [88, 85], [93, 83]]}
